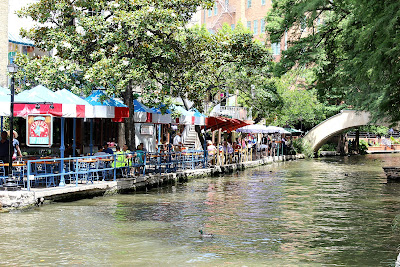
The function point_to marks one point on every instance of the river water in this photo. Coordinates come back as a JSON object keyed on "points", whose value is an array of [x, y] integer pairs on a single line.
{"points": [[323, 212]]}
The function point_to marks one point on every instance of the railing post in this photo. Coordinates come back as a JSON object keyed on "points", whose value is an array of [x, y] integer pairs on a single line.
{"points": [[115, 167], [77, 172], [28, 175], [193, 161]]}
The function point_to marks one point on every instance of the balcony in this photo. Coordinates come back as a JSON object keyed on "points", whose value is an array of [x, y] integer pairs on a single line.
{"points": [[233, 112]]}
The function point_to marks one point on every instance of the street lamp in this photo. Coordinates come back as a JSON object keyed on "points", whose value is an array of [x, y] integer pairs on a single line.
{"points": [[12, 68]]}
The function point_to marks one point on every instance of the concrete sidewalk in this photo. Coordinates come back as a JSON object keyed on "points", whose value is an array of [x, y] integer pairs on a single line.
{"points": [[37, 196]]}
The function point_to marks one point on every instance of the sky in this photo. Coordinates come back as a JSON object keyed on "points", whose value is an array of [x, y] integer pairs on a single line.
{"points": [[15, 23]]}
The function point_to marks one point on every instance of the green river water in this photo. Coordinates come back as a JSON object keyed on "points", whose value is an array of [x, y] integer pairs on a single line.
{"points": [[324, 212]]}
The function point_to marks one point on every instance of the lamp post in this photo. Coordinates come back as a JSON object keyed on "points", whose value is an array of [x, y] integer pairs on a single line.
{"points": [[12, 68]]}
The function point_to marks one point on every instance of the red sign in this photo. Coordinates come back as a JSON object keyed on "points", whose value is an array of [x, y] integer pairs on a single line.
{"points": [[39, 130]]}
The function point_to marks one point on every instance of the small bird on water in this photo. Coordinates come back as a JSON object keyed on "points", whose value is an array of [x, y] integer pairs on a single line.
{"points": [[203, 235]]}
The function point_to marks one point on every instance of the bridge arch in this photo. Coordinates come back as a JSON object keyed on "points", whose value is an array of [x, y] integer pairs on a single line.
{"points": [[342, 121]]}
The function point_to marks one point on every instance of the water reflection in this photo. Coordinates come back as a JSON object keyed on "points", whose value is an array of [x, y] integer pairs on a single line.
{"points": [[334, 211]]}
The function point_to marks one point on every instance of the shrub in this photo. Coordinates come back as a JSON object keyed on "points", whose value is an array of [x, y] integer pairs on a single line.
{"points": [[328, 147], [363, 147], [303, 147]]}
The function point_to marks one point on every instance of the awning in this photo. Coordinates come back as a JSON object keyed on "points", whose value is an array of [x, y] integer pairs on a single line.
{"points": [[293, 131], [225, 124], [16, 39], [191, 117], [158, 117], [108, 108], [63, 103], [142, 112]]}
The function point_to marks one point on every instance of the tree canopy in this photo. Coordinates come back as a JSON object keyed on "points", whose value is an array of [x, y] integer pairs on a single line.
{"points": [[352, 46], [121, 44]]}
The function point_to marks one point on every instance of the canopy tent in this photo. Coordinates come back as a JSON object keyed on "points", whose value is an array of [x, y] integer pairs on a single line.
{"points": [[160, 118], [223, 123], [255, 128], [83, 108], [293, 131], [142, 112], [107, 107], [17, 39], [199, 118], [49, 103], [275, 129], [192, 116]]}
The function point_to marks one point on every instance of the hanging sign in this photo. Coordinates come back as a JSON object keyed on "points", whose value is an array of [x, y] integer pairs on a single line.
{"points": [[146, 129], [39, 130]]}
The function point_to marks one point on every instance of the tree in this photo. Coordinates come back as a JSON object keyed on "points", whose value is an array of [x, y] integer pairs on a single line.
{"points": [[114, 43], [120, 45], [350, 45]]}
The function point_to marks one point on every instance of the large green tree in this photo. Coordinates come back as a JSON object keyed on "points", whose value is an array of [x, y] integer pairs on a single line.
{"points": [[115, 44], [351, 45]]}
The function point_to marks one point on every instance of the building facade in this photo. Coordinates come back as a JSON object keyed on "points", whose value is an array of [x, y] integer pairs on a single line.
{"points": [[3, 42], [250, 13]]}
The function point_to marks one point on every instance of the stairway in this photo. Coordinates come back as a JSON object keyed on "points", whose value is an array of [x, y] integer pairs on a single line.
{"points": [[190, 138]]}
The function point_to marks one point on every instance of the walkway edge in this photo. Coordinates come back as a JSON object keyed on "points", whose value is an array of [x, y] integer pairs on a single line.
{"points": [[23, 199]]}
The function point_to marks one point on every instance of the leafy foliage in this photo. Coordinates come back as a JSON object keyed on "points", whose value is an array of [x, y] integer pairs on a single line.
{"points": [[303, 147], [350, 45]]}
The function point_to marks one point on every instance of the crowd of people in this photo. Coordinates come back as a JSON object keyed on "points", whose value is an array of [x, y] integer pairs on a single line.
{"points": [[228, 152]]}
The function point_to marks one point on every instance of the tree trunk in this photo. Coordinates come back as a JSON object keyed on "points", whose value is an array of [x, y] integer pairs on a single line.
{"points": [[130, 122], [357, 142]]}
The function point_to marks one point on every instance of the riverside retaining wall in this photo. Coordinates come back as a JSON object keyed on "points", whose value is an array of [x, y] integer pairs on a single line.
{"points": [[37, 196]]}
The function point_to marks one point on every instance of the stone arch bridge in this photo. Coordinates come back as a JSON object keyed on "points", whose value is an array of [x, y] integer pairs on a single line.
{"points": [[346, 119]]}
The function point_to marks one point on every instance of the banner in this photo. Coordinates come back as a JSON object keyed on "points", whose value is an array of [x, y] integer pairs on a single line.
{"points": [[39, 130]]}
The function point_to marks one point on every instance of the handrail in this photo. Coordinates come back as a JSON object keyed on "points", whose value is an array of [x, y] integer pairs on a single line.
{"points": [[134, 163]]}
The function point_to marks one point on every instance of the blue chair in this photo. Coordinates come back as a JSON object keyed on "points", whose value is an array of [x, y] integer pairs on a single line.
{"points": [[2, 173]]}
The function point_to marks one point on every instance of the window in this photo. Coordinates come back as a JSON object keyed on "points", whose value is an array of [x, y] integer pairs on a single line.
{"points": [[263, 2], [249, 25], [209, 12], [255, 27], [215, 9], [262, 25], [276, 49], [232, 26], [226, 2], [248, 3]]}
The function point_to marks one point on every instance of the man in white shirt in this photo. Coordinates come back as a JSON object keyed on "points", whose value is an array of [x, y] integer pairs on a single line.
{"points": [[177, 142]]}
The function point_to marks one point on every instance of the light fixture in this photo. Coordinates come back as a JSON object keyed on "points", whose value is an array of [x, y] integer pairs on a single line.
{"points": [[12, 68], [37, 106]]}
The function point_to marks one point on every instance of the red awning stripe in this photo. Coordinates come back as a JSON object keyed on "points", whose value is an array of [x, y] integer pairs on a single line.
{"points": [[225, 124]]}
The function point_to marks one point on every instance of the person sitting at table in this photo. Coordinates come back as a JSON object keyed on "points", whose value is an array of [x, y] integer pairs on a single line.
{"points": [[177, 142], [107, 149], [127, 154], [4, 149], [100, 151], [120, 162], [139, 154]]}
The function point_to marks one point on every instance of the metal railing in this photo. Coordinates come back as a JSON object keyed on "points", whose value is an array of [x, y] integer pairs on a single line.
{"points": [[53, 172]]}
